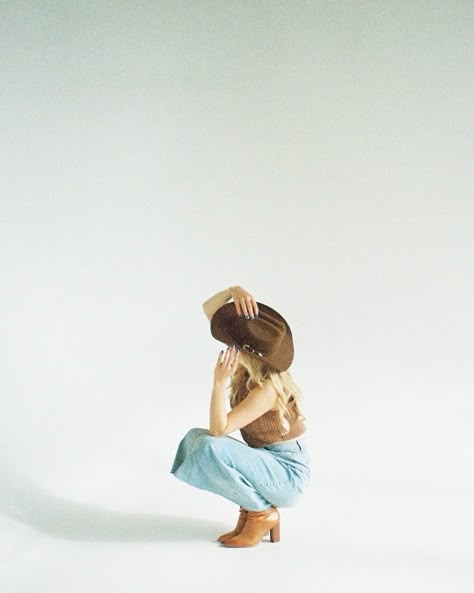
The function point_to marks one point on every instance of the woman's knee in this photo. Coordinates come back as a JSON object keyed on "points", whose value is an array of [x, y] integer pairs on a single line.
{"points": [[196, 432], [207, 442]]}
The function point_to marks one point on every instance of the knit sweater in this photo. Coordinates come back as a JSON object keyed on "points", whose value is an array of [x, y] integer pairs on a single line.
{"points": [[267, 428]]}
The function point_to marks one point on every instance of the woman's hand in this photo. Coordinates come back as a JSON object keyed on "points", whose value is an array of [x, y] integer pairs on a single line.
{"points": [[226, 364], [244, 302]]}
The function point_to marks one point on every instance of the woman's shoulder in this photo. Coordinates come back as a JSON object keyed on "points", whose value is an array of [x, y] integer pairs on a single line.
{"points": [[268, 386], [269, 391]]}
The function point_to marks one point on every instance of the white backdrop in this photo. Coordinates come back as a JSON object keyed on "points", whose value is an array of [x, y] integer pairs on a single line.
{"points": [[154, 153]]}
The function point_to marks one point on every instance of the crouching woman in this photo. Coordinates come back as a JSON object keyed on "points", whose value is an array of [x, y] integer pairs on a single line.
{"points": [[271, 469]]}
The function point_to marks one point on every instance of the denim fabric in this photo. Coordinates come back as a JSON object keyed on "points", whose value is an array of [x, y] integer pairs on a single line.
{"points": [[253, 477]]}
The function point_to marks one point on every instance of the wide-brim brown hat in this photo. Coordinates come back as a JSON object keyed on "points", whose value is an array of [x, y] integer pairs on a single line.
{"points": [[267, 337]]}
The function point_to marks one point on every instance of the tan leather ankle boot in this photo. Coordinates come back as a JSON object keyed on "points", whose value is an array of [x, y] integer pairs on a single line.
{"points": [[237, 529], [257, 525]]}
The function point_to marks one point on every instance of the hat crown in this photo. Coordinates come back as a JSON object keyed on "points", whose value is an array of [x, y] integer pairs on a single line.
{"points": [[263, 334], [268, 336]]}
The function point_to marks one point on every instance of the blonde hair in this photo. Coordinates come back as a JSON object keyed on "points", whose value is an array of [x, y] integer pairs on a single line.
{"points": [[251, 373]]}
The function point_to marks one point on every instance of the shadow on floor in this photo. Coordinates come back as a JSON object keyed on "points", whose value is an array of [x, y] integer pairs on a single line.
{"points": [[65, 519]]}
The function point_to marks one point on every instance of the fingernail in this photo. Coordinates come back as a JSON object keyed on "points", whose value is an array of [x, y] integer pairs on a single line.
{"points": [[247, 317]]}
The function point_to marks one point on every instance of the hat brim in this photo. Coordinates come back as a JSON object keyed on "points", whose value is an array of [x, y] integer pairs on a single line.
{"points": [[222, 323]]}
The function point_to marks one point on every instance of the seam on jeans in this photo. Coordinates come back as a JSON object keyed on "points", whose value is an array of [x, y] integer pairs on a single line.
{"points": [[273, 483]]}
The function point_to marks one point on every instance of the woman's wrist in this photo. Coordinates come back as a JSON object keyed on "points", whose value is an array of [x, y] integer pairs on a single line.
{"points": [[232, 290], [220, 384]]}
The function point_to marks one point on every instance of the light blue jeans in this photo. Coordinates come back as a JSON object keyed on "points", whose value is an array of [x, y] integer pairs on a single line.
{"points": [[253, 477]]}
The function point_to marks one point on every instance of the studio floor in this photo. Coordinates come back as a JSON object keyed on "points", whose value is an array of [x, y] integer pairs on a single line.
{"points": [[345, 536]]}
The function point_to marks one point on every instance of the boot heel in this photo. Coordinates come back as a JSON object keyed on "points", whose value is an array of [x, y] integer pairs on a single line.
{"points": [[275, 533]]}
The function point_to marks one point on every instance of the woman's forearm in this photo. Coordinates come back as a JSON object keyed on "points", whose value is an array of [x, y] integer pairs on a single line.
{"points": [[215, 302], [217, 410]]}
